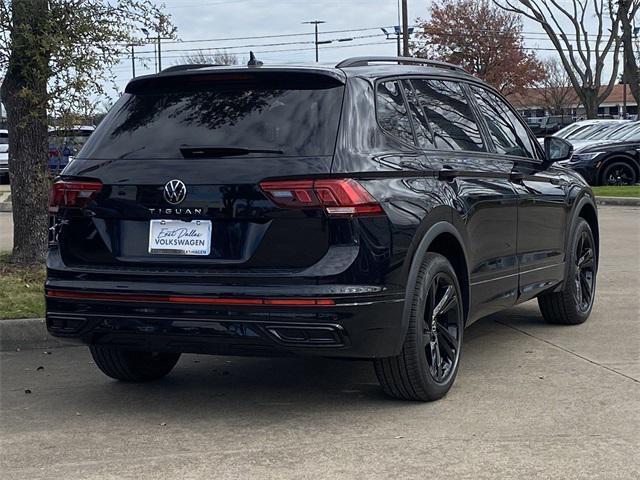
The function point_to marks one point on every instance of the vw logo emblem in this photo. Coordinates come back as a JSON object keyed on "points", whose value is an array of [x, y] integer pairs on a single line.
{"points": [[175, 191]]}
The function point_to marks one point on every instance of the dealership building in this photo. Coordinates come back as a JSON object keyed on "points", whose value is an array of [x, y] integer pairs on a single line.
{"points": [[535, 102]]}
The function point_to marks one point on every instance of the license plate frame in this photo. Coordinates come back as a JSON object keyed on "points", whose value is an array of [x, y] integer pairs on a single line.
{"points": [[180, 237]]}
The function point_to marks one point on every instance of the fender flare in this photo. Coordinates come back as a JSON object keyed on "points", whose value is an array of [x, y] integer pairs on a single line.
{"points": [[436, 229], [585, 198]]}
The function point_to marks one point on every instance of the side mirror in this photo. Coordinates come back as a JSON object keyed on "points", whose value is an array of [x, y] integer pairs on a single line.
{"points": [[556, 149]]}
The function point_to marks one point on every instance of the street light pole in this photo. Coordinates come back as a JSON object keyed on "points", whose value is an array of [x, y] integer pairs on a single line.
{"points": [[315, 23]]}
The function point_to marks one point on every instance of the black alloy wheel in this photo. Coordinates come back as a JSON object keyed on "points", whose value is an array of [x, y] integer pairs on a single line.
{"points": [[427, 365], [572, 305], [619, 173], [584, 271], [442, 326]]}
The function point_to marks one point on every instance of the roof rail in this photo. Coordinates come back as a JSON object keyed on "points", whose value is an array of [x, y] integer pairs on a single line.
{"points": [[364, 61], [188, 66]]}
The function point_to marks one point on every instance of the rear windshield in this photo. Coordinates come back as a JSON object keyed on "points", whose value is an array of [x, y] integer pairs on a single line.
{"points": [[4, 138], [284, 118]]}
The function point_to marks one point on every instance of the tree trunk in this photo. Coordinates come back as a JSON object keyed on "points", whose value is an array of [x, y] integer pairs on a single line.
{"points": [[589, 98], [631, 72], [24, 92]]}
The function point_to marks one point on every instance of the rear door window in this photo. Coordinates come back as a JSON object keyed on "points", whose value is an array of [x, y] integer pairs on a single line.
{"points": [[509, 135], [285, 116], [420, 122], [391, 111], [450, 116]]}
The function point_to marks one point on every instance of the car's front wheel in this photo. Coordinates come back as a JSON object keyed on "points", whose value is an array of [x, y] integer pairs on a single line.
{"points": [[619, 173], [133, 366], [428, 363], [572, 305]]}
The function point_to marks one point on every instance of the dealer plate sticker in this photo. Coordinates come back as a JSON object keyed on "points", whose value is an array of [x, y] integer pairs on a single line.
{"points": [[176, 237]]}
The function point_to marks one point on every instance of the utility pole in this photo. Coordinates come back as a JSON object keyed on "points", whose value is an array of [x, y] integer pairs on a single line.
{"points": [[315, 23], [399, 30], [159, 54], [405, 29], [133, 60]]}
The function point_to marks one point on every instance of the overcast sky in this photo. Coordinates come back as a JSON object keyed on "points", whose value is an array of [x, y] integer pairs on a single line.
{"points": [[219, 21]]}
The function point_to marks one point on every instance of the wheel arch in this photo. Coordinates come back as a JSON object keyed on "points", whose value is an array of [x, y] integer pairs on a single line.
{"points": [[443, 238], [585, 208]]}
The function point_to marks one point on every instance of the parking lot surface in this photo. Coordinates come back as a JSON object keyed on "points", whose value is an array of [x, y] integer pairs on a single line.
{"points": [[531, 401]]}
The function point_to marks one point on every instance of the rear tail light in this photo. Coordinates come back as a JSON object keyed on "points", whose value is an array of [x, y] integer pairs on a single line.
{"points": [[338, 197], [230, 301], [72, 194]]}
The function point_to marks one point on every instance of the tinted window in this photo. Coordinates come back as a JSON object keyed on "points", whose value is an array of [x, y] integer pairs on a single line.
{"points": [[450, 116], [509, 134], [420, 123], [4, 138], [392, 112], [300, 119]]}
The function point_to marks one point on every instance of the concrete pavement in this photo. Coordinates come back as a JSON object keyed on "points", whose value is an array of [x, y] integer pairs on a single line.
{"points": [[6, 231], [531, 401]]}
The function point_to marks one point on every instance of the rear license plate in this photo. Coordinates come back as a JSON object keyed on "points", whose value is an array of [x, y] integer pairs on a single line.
{"points": [[176, 237]]}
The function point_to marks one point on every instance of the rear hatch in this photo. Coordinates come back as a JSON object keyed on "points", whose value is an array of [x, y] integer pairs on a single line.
{"points": [[178, 162]]}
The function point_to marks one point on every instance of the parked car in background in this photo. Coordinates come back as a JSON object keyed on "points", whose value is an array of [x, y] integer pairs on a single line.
{"points": [[369, 210], [608, 133], [4, 155], [609, 161], [66, 143], [534, 123], [550, 125], [583, 128]]}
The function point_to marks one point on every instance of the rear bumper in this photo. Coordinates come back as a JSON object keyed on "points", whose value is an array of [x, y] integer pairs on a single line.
{"points": [[366, 325]]}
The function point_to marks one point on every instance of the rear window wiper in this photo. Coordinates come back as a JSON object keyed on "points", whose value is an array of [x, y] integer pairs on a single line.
{"points": [[189, 151]]}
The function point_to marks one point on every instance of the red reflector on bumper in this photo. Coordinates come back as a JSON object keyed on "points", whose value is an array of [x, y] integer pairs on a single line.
{"points": [[125, 297]]}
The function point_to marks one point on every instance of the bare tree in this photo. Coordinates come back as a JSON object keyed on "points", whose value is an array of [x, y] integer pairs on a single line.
{"points": [[221, 57], [583, 50], [627, 10], [557, 92]]}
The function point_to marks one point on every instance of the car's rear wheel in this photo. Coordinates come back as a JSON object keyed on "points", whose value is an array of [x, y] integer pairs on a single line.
{"points": [[619, 173], [573, 304], [133, 366], [427, 366]]}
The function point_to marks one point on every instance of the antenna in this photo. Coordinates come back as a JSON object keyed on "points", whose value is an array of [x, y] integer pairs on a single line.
{"points": [[253, 62]]}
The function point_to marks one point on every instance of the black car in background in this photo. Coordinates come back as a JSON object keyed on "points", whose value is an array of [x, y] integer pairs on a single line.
{"points": [[552, 124], [369, 210], [609, 161]]}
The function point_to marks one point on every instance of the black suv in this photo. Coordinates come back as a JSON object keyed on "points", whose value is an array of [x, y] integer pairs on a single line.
{"points": [[369, 210]]}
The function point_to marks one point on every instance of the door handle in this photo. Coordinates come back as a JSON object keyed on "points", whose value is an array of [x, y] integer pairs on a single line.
{"points": [[447, 173], [516, 176]]}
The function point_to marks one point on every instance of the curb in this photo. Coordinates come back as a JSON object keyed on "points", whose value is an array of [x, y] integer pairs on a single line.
{"points": [[618, 201], [27, 333]]}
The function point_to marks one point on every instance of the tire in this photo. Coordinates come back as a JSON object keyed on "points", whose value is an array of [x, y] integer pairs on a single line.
{"points": [[570, 305], [619, 173], [133, 366], [434, 334]]}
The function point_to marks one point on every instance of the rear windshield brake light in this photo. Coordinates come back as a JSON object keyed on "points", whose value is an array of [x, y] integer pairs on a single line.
{"points": [[338, 197]]}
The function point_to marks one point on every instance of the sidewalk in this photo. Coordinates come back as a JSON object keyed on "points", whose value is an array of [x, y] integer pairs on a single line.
{"points": [[5, 198]]}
